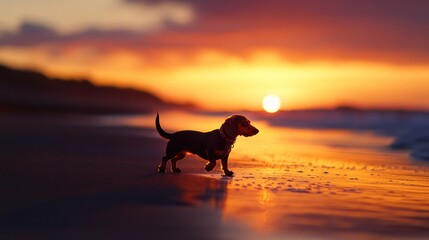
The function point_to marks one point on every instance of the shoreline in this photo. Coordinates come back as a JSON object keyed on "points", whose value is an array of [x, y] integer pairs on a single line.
{"points": [[74, 178]]}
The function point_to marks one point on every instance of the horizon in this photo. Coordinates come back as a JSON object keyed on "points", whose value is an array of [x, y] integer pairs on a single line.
{"points": [[316, 54], [195, 106]]}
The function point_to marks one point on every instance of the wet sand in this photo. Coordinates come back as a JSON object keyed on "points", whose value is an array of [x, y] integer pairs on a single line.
{"points": [[307, 184], [67, 179], [74, 178]]}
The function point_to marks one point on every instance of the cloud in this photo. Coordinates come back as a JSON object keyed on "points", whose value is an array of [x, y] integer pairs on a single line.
{"points": [[385, 30], [392, 31], [31, 34], [69, 17]]}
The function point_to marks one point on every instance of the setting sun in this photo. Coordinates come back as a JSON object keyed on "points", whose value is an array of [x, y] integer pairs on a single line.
{"points": [[271, 103]]}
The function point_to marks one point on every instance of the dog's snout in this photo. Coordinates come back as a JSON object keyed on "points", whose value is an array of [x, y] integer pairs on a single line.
{"points": [[255, 131]]}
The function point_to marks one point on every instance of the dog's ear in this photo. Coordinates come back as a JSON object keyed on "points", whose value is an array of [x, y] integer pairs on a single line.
{"points": [[239, 119], [230, 126]]}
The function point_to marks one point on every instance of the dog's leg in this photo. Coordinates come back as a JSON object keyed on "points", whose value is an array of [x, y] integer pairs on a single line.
{"points": [[170, 152], [225, 169], [163, 164], [174, 160], [210, 165], [210, 156]]}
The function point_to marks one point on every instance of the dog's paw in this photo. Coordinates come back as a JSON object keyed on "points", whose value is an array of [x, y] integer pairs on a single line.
{"points": [[229, 173], [161, 170], [176, 170], [209, 166]]}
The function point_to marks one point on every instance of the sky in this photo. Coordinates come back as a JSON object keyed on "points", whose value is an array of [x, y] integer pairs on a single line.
{"points": [[229, 54]]}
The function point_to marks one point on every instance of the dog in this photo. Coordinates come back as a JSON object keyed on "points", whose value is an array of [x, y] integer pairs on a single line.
{"points": [[210, 146]]}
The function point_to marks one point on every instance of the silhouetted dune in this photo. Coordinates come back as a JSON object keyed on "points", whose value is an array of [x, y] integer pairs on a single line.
{"points": [[30, 91]]}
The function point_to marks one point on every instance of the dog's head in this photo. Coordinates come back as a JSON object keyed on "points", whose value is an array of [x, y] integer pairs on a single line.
{"points": [[239, 125]]}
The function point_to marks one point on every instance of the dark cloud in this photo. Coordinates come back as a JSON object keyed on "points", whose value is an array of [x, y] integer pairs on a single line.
{"points": [[30, 34], [384, 30]]}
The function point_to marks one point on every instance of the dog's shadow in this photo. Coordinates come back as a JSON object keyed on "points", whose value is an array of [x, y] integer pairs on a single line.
{"points": [[215, 192], [172, 191]]}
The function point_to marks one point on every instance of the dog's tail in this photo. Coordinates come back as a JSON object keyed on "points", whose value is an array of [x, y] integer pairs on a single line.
{"points": [[161, 131]]}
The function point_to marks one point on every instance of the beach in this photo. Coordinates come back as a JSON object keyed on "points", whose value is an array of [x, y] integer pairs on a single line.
{"points": [[82, 177], [332, 142]]}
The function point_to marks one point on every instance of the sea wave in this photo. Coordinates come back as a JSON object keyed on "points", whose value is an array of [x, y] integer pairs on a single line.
{"points": [[410, 130]]}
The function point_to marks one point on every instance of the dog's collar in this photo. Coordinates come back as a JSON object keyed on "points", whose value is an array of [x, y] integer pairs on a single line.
{"points": [[227, 139]]}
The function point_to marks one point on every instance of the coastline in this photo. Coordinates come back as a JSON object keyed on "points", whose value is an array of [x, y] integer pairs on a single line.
{"points": [[76, 177]]}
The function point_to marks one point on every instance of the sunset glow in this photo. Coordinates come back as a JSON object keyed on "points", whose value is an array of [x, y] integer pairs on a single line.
{"points": [[168, 54]]}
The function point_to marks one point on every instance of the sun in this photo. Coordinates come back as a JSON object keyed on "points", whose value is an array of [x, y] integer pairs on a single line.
{"points": [[271, 103]]}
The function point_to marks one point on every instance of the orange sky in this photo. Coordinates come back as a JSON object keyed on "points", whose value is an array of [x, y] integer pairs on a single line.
{"points": [[225, 55]]}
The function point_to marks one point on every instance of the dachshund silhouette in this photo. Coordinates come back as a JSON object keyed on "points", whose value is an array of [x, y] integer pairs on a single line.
{"points": [[211, 145]]}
